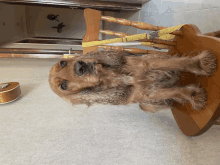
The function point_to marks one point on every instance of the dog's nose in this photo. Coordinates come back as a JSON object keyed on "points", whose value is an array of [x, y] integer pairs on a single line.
{"points": [[80, 68], [91, 67]]}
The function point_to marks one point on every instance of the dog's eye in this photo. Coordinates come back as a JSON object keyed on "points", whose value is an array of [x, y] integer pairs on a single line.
{"points": [[63, 85], [63, 63]]}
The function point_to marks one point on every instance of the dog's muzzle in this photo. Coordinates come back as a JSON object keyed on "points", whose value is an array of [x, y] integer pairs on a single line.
{"points": [[81, 68]]}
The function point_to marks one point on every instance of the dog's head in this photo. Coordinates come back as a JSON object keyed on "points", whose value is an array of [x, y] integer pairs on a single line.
{"points": [[83, 78], [71, 76]]}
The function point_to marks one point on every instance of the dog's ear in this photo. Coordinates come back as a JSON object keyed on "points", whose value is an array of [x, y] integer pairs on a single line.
{"points": [[115, 96], [108, 57]]}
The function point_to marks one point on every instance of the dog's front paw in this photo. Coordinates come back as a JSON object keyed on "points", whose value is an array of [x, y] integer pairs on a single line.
{"points": [[153, 108], [207, 62], [148, 107], [198, 97]]}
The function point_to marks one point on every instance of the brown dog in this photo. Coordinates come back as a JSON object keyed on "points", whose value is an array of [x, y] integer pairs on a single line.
{"points": [[113, 77]]}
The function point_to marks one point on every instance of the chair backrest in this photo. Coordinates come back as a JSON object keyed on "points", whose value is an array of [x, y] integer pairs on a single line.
{"points": [[92, 18]]}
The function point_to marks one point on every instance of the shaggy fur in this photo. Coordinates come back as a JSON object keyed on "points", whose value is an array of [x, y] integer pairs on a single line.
{"points": [[113, 77]]}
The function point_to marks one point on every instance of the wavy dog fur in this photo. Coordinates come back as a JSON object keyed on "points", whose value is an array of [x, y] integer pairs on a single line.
{"points": [[114, 77]]}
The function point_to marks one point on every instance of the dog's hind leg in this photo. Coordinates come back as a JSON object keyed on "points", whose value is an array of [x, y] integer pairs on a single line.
{"points": [[195, 95], [205, 63], [202, 64]]}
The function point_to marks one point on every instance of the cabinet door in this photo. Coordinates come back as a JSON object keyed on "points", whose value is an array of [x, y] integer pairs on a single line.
{"points": [[12, 23]]}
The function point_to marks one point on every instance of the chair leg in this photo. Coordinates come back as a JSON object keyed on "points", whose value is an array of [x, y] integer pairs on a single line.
{"points": [[120, 34], [117, 34], [140, 25], [161, 44], [156, 46], [159, 41]]}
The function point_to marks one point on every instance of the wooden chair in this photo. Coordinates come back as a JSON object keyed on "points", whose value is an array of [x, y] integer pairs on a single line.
{"points": [[187, 39]]}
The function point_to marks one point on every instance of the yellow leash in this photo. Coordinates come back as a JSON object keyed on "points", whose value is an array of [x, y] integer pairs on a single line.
{"points": [[161, 34]]}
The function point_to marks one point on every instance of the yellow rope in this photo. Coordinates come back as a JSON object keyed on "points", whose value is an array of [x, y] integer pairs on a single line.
{"points": [[124, 39], [162, 34], [169, 30]]}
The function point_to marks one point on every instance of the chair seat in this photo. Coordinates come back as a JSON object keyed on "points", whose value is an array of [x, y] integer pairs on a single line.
{"points": [[190, 121]]}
